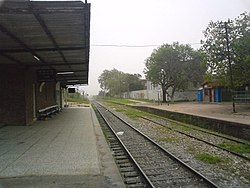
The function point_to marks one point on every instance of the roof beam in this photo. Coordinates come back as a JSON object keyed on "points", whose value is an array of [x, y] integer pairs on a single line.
{"points": [[49, 34], [78, 10], [74, 79], [47, 31], [11, 58], [26, 47], [42, 49], [73, 71], [57, 64]]}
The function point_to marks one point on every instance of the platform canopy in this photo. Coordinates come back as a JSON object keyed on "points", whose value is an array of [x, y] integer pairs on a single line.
{"points": [[49, 36]]}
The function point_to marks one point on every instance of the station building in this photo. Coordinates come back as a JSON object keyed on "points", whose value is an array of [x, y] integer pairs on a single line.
{"points": [[44, 47]]}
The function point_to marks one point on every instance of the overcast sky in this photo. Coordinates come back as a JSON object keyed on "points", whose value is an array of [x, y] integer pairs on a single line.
{"points": [[148, 22]]}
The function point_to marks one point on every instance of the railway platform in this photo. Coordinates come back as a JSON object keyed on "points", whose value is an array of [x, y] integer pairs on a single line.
{"points": [[67, 150], [220, 111], [216, 117]]}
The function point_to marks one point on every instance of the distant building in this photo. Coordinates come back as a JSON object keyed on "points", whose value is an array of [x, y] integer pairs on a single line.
{"points": [[212, 92], [154, 92]]}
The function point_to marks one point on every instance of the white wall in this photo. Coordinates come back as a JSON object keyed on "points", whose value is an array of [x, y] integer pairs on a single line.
{"points": [[155, 93]]}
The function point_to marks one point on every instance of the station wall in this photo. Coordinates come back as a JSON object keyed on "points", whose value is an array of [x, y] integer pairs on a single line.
{"points": [[12, 95], [21, 95], [46, 94], [30, 82]]}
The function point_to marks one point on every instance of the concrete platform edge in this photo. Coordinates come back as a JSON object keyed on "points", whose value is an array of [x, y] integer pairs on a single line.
{"points": [[235, 129], [107, 163]]}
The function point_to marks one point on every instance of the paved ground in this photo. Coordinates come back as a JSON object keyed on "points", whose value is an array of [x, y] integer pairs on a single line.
{"points": [[221, 111], [68, 150]]}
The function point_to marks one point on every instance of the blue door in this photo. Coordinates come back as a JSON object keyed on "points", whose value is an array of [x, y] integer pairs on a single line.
{"points": [[217, 94], [200, 95]]}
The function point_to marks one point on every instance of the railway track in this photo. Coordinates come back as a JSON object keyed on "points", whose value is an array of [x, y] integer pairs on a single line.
{"points": [[199, 129], [131, 172], [226, 138], [202, 140], [207, 132], [158, 167]]}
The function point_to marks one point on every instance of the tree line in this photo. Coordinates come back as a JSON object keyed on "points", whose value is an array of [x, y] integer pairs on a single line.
{"points": [[224, 56], [114, 82]]}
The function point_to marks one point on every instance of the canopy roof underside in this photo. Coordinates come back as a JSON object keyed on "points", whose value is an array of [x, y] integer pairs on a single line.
{"points": [[47, 35]]}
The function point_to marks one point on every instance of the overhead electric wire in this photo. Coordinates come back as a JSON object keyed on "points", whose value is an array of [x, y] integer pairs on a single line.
{"points": [[124, 45], [133, 46]]}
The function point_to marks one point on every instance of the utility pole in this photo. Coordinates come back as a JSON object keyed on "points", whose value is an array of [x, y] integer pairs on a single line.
{"points": [[230, 65]]}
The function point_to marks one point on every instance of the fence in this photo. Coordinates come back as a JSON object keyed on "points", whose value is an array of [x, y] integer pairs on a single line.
{"points": [[242, 96]]}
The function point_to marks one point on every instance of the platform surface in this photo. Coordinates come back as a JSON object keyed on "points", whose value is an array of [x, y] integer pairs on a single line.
{"points": [[221, 111], [67, 150]]}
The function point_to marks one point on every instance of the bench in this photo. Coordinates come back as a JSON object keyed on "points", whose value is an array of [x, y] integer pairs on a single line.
{"points": [[42, 114]]}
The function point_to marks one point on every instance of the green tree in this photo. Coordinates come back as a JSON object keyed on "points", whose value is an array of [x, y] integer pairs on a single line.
{"points": [[174, 66], [241, 49], [133, 82], [111, 82], [237, 39], [115, 82]]}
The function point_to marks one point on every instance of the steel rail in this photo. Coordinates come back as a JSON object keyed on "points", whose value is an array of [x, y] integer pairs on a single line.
{"points": [[195, 172], [214, 134], [149, 183], [199, 139], [182, 124]]}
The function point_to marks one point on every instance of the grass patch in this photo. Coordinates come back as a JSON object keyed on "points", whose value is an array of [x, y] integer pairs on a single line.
{"points": [[186, 128], [208, 158], [146, 100], [135, 114], [81, 101], [190, 149], [179, 126], [239, 148], [128, 111], [247, 177], [130, 101], [168, 139], [121, 100]]}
